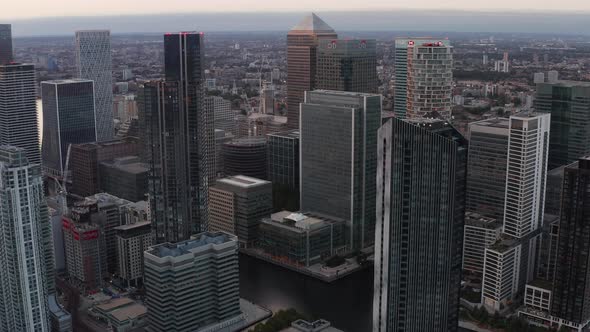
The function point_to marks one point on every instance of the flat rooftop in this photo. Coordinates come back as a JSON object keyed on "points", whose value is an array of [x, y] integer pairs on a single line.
{"points": [[67, 81], [540, 283], [569, 84], [301, 222], [132, 226], [115, 303], [185, 247], [494, 123], [287, 134], [477, 220], [243, 181], [129, 312]]}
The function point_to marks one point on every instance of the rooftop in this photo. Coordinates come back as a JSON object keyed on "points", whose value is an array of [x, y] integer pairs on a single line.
{"points": [[476, 219], [569, 84], [67, 81], [494, 123], [301, 222], [115, 303], [540, 283], [243, 181], [132, 226], [294, 133], [248, 141], [312, 23], [187, 246], [129, 312]]}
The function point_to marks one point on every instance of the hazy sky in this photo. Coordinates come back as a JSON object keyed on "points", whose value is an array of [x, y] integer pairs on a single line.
{"points": [[15, 9]]}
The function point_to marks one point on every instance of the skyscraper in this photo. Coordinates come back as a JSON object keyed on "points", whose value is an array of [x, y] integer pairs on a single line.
{"points": [[302, 44], [180, 141], [347, 65], [568, 103], [283, 169], [421, 176], [423, 77], [18, 109], [23, 281], [93, 61], [5, 44], [338, 155], [68, 118]]}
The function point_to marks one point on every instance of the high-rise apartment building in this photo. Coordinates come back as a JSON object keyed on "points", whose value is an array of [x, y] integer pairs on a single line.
{"points": [[93, 61], [486, 167], [480, 233], [283, 169], [5, 44], [68, 118], [237, 204], [23, 281], [211, 298], [568, 103], [18, 109], [180, 139], [347, 65], [338, 159], [133, 237], [302, 44], [421, 176], [423, 77], [571, 283]]}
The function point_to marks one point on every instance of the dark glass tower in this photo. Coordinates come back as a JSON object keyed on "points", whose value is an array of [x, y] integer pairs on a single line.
{"points": [[180, 141], [69, 117], [5, 44], [571, 285], [421, 175], [283, 169], [569, 105]]}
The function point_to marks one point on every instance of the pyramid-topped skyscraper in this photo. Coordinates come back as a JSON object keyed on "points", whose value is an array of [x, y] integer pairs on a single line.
{"points": [[302, 44]]}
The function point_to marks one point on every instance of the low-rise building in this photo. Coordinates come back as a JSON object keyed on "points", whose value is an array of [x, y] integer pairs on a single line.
{"points": [[121, 314]]}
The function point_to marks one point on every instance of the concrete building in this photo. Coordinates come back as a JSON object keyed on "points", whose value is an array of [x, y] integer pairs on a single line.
{"points": [[237, 204], [568, 102], [223, 116], [347, 65], [245, 156], [338, 159], [180, 140], [68, 118], [122, 314], [18, 109], [420, 219], [283, 169], [504, 276], [93, 62], [5, 44], [302, 238], [132, 240], [125, 177], [85, 160], [423, 77], [24, 283], [302, 44], [480, 233], [210, 299]]}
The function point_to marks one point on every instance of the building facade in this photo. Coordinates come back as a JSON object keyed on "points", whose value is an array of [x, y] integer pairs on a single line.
{"points": [[125, 177], [180, 137], [480, 233], [223, 116], [69, 117], [18, 109], [5, 44], [283, 169], [347, 65], [24, 279], [338, 159], [93, 61], [210, 261], [302, 44], [568, 103], [420, 217], [132, 240], [245, 156], [423, 77]]}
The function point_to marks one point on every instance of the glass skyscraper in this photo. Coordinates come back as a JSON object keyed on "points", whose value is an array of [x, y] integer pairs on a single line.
{"points": [[68, 118], [5, 44], [180, 140], [93, 61], [283, 169], [569, 105], [421, 175], [338, 149]]}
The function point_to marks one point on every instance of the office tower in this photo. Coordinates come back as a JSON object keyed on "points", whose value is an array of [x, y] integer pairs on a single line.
{"points": [[23, 286], [180, 138], [570, 287], [125, 177], [302, 44], [85, 160], [93, 61], [480, 233], [553, 190], [486, 167], [245, 156], [548, 249], [423, 77], [18, 109], [347, 65], [338, 155], [526, 177], [420, 214], [211, 260], [237, 204], [283, 169], [221, 137], [5, 44], [132, 240], [568, 103], [222, 113], [267, 101], [68, 118]]}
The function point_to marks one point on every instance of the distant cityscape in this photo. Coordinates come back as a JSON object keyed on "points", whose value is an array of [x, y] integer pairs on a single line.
{"points": [[303, 181]]}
